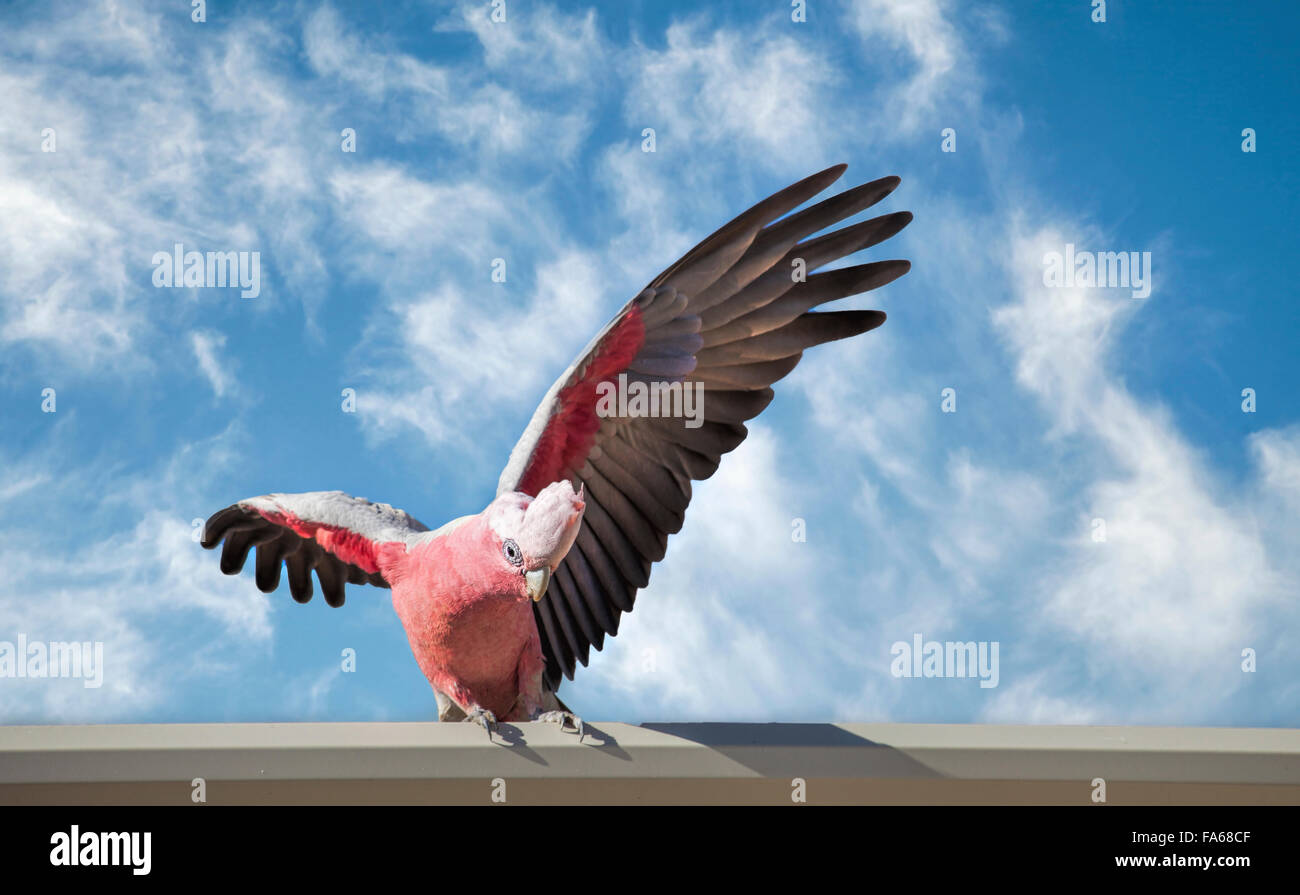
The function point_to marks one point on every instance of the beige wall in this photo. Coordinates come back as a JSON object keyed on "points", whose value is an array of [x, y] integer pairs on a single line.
{"points": [[651, 764]]}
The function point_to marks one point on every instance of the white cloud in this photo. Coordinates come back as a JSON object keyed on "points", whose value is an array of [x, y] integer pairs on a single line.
{"points": [[398, 212], [923, 31], [456, 103], [333, 51], [1030, 700], [978, 524], [1184, 578], [207, 346], [1147, 626], [537, 42], [148, 592], [729, 627], [480, 349], [761, 94], [80, 224]]}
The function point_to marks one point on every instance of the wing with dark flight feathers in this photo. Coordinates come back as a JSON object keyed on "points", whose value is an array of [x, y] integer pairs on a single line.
{"points": [[337, 535], [731, 314]]}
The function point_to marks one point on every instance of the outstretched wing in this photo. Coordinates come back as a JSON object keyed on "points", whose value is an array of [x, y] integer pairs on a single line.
{"points": [[732, 314], [337, 535]]}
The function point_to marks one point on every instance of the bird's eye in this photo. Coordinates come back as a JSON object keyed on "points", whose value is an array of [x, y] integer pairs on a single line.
{"points": [[512, 552]]}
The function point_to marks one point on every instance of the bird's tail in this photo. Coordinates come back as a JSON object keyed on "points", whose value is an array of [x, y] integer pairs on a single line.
{"points": [[551, 702]]}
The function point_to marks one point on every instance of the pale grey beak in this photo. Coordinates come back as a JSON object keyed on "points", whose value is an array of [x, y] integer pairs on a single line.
{"points": [[537, 580]]}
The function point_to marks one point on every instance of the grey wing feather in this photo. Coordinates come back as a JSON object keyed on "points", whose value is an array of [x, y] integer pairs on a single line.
{"points": [[267, 524]]}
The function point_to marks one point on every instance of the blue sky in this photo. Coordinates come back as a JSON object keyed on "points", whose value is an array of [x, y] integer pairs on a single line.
{"points": [[522, 140]]}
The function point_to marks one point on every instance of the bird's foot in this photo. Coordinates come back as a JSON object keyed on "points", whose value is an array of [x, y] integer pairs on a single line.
{"points": [[483, 718], [564, 719]]}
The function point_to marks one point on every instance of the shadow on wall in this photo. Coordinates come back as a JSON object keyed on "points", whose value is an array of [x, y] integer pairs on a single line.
{"points": [[799, 750]]}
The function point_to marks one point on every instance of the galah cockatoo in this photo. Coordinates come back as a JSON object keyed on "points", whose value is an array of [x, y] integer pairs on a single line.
{"points": [[499, 605]]}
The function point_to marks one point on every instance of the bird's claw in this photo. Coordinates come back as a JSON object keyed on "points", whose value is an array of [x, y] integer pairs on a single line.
{"points": [[563, 719], [484, 718]]}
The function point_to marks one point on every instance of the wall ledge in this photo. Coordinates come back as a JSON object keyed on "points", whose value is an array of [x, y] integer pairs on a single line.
{"points": [[694, 762]]}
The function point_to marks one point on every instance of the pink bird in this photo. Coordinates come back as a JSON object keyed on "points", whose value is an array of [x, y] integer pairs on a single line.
{"points": [[498, 606]]}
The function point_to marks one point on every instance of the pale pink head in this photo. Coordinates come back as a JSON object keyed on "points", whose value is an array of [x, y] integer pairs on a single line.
{"points": [[536, 532]]}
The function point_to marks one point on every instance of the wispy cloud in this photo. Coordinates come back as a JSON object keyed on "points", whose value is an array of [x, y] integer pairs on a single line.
{"points": [[145, 590], [207, 346], [937, 61]]}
